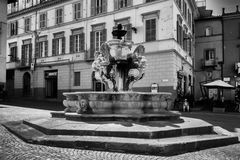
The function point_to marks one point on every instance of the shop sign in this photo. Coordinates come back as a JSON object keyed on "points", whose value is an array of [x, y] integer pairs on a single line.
{"points": [[50, 74], [226, 79], [154, 88]]}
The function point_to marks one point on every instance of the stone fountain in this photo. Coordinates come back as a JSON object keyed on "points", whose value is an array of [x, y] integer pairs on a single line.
{"points": [[121, 120], [118, 67]]}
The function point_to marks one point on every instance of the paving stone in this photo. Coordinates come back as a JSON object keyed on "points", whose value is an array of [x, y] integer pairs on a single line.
{"points": [[12, 148]]}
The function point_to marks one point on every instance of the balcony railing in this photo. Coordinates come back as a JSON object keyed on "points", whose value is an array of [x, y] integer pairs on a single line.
{"points": [[209, 63]]}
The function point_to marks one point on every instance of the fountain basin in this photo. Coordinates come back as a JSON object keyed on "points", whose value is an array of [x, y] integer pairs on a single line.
{"points": [[118, 102]]}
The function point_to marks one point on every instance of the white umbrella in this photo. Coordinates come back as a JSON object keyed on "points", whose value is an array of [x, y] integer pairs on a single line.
{"points": [[218, 84]]}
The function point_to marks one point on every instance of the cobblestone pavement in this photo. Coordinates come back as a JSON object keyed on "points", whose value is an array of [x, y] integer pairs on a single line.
{"points": [[12, 148]]}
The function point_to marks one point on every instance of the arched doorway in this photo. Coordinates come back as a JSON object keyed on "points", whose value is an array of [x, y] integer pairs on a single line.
{"points": [[97, 86], [26, 84]]}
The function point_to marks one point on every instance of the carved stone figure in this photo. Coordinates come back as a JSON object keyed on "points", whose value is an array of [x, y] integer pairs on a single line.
{"points": [[117, 67], [84, 107]]}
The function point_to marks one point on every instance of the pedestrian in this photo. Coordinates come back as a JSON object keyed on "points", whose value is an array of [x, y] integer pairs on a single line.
{"points": [[185, 105]]}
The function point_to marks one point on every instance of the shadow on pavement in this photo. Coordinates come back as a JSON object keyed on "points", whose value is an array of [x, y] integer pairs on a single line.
{"points": [[37, 104], [227, 120]]}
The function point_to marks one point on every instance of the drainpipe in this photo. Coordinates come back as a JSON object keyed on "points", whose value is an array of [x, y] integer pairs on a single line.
{"points": [[223, 48]]}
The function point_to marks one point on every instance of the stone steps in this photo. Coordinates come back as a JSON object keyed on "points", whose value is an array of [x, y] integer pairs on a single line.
{"points": [[163, 115], [120, 129], [154, 146]]}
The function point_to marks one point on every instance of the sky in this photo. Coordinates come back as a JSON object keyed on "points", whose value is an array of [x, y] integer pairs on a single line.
{"points": [[217, 5]]}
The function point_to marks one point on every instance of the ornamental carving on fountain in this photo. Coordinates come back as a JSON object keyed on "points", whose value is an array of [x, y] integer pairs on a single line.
{"points": [[116, 65]]}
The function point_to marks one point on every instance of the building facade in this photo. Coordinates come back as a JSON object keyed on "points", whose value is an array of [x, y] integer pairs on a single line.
{"points": [[3, 37], [217, 51], [231, 42], [209, 52], [51, 44]]}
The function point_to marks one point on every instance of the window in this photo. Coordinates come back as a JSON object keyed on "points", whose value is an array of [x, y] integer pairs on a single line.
{"points": [[98, 7], [180, 35], [27, 24], [189, 18], [185, 9], [118, 4], [28, 3], [208, 31], [98, 36], [42, 47], [26, 53], [58, 44], [150, 25], [59, 16], [150, 1], [77, 78], [14, 7], [43, 20], [13, 52], [127, 26], [13, 28], [210, 55], [77, 41], [77, 11]]}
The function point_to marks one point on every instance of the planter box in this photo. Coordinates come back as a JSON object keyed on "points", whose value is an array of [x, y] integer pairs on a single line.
{"points": [[218, 110]]}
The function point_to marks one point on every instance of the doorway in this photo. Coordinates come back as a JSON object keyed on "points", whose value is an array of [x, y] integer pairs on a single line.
{"points": [[26, 84], [51, 84]]}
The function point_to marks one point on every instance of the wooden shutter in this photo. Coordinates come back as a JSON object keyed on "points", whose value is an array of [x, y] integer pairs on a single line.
{"points": [[71, 43], [82, 41], [63, 45], [114, 37], [104, 6], [37, 55], [46, 48], [92, 44], [93, 9], [16, 29], [8, 29], [54, 47], [129, 3], [23, 57], [116, 4], [30, 54], [129, 32], [104, 35], [148, 26]]}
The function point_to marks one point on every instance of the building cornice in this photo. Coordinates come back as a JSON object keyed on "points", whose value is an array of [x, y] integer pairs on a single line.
{"points": [[36, 7], [54, 2]]}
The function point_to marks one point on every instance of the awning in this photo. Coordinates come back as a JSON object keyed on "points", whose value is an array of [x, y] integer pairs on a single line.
{"points": [[218, 84]]}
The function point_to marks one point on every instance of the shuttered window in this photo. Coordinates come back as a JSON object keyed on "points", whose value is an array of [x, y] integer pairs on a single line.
{"points": [[58, 44], [97, 37], [26, 53], [13, 52], [77, 11], [150, 30], [43, 20], [126, 26], [77, 41], [13, 28], [118, 4], [77, 78], [27, 24], [98, 7], [59, 15]]}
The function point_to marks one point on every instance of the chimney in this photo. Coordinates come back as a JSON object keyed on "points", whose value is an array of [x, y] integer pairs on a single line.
{"points": [[223, 11], [237, 10]]}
